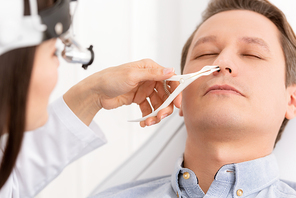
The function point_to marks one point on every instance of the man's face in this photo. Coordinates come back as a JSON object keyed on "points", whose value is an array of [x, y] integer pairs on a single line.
{"points": [[249, 92]]}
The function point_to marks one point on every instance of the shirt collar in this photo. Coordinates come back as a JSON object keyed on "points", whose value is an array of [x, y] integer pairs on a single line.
{"points": [[250, 176], [253, 176], [175, 175]]}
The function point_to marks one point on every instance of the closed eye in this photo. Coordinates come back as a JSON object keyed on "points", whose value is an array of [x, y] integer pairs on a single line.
{"points": [[204, 55], [253, 56]]}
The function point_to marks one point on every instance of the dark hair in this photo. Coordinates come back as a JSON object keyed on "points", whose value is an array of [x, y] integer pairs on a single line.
{"points": [[275, 15], [15, 73]]}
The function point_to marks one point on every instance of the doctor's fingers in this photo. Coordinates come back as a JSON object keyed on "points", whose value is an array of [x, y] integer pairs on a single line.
{"points": [[140, 98], [164, 94], [147, 109], [147, 69], [154, 90], [171, 86], [143, 91], [157, 98]]}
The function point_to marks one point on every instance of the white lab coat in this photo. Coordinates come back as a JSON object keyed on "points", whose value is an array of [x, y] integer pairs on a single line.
{"points": [[48, 150]]}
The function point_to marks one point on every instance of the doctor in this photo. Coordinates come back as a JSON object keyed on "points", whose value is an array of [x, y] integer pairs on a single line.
{"points": [[63, 132]]}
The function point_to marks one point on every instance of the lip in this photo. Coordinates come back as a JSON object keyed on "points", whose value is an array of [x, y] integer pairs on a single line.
{"points": [[223, 89]]}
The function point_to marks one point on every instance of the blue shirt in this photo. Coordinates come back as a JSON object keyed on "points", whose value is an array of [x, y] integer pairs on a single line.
{"points": [[257, 178]]}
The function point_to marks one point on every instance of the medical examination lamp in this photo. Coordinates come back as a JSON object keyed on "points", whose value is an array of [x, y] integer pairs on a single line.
{"points": [[18, 30]]}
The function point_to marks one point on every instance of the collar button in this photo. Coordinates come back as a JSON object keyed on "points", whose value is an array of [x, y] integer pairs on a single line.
{"points": [[186, 175], [239, 192]]}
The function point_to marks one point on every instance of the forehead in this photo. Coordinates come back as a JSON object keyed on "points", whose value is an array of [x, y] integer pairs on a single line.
{"points": [[235, 24]]}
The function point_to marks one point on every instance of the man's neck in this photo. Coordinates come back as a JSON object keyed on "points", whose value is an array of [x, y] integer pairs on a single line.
{"points": [[205, 157]]}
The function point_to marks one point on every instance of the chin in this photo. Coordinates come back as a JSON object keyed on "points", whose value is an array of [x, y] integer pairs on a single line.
{"points": [[216, 118]]}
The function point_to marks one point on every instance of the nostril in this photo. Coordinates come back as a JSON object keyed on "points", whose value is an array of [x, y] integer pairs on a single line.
{"points": [[229, 69]]}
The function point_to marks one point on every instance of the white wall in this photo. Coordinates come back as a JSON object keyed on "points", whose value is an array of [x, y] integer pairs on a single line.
{"points": [[123, 31]]}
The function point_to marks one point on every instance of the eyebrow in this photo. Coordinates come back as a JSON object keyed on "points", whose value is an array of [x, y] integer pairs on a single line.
{"points": [[205, 40], [256, 41], [248, 40]]}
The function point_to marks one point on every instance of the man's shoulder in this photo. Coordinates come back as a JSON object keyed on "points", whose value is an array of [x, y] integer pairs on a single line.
{"points": [[153, 187], [290, 184], [285, 187]]}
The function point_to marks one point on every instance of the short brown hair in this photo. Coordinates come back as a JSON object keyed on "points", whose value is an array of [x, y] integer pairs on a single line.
{"points": [[275, 15]]}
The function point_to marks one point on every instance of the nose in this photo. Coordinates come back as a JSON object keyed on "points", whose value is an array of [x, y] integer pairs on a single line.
{"points": [[227, 66], [225, 69]]}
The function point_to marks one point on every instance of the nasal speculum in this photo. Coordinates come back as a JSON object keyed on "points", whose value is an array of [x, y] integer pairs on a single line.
{"points": [[184, 80]]}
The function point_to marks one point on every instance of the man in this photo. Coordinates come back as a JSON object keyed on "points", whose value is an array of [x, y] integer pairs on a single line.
{"points": [[235, 116]]}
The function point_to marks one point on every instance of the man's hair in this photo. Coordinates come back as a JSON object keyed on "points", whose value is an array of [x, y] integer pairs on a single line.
{"points": [[275, 15]]}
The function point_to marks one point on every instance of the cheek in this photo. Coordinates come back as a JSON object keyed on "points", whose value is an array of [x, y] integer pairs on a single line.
{"points": [[271, 94], [273, 83], [43, 81], [190, 100]]}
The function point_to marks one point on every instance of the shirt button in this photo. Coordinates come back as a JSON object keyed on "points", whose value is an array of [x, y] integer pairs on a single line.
{"points": [[186, 175], [239, 192]]}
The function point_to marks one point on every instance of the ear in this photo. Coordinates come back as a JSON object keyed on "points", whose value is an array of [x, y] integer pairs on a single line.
{"points": [[291, 109]]}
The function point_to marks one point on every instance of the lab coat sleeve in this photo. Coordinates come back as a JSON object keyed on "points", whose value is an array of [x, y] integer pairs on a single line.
{"points": [[48, 150]]}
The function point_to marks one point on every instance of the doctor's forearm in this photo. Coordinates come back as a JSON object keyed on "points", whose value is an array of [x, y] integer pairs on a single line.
{"points": [[82, 101]]}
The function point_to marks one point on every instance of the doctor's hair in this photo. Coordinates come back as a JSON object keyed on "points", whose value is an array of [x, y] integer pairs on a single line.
{"points": [[275, 15], [15, 73]]}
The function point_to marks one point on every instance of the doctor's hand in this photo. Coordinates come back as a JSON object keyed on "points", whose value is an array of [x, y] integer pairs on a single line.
{"points": [[122, 85]]}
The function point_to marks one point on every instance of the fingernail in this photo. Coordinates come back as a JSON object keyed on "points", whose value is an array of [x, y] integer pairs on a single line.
{"points": [[163, 116], [151, 123], [168, 70]]}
